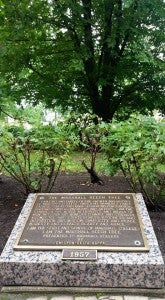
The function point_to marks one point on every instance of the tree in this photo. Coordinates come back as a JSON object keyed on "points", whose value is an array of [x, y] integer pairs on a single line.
{"points": [[102, 56]]}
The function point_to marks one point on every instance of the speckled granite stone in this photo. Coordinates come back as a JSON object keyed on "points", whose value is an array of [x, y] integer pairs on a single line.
{"points": [[112, 269]]}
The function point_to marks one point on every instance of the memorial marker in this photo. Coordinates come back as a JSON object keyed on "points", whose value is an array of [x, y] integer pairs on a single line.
{"points": [[86, 227], [109, 222]]}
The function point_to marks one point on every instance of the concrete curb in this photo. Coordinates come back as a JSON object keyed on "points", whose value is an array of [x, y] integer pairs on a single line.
{"points": [[34, 291]]}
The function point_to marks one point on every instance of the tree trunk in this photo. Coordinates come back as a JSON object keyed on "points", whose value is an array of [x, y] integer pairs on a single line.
{"points": [[102, 109], [93, 175]]}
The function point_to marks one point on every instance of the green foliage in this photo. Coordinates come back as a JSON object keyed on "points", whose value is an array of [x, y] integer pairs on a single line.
{"points": [[24, 113], [136, 147], [34, 157], [88, 139], [104, 57], [85, 127]]}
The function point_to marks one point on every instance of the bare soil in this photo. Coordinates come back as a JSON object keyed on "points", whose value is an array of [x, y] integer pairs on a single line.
{"points": [[12, 200]]}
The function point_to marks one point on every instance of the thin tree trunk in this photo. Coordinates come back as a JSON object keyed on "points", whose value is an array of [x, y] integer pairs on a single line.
{"points": [[94, 177]]}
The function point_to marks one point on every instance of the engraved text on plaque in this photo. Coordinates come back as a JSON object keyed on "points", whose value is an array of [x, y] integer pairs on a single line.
{"points": [[83, 221]]}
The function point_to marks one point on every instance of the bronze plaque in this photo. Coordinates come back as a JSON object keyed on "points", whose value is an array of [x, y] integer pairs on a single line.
{"points": [[83, 221]]}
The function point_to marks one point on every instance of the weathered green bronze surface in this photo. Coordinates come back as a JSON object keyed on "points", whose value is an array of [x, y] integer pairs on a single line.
{"points": [[109, 222]]}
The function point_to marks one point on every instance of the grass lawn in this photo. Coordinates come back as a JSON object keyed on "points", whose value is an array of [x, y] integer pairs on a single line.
{"points": [[73, 163]]}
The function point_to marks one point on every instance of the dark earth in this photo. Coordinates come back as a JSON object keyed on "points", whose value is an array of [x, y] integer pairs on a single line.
{"points": [[12, 199]]}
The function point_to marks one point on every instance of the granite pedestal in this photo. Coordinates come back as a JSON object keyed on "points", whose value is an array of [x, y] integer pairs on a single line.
{"points": [[111, 270]]}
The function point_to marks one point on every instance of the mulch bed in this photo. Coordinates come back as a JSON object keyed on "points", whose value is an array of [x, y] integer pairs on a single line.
{"points": [[12, 200]]}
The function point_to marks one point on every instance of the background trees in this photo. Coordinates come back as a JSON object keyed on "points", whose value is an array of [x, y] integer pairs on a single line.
{"points": [[102, 56]]}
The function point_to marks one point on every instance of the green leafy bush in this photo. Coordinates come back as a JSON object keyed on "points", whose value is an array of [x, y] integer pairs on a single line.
{"points": [[34, 157], [136, 147], [87, 130]]}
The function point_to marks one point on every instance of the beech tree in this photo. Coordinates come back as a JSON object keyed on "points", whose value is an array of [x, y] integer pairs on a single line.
{"points": [[99, 56]]}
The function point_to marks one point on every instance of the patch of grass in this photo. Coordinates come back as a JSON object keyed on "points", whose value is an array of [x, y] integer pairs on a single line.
{"points": [[72, 164]]}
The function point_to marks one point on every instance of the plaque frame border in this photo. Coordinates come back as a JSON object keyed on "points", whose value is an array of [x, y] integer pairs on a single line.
{"points": [[119, 249]]}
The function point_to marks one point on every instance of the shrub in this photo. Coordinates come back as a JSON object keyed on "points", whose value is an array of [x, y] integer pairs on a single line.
{"points": [[34, 157], [88, 136], [136, 147]]}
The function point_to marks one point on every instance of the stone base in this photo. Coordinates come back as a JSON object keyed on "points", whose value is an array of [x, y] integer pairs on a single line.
{"points": [[111, 270]]}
